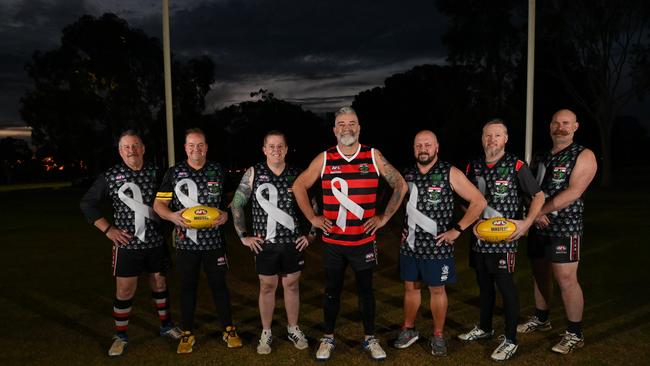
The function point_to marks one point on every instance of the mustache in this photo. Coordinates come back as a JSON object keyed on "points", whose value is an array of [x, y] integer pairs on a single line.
{"points": [[560, 133]]}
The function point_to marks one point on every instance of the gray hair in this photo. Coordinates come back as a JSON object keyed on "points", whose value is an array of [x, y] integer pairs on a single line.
{"points": [[497, 121], [345, 110]]}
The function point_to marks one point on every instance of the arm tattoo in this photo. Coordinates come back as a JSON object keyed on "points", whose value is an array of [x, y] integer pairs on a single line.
{"points": [[242, 194], [392, 177]]}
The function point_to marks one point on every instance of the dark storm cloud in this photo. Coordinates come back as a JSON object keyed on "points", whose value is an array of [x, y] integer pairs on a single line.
{"points": [[313, 52]]}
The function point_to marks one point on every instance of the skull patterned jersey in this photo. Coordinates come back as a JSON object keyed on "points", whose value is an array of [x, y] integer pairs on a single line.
{"points": [[274, 206], [429, 211], [503, 185], [132, 193], [186, 187], [554, 173], [349, 186]]}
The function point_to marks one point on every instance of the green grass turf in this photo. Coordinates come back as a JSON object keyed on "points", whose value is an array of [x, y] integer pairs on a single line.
{"points": [[56, 296]]}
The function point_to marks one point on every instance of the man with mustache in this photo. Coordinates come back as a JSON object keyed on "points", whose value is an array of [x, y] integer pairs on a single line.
{"points": [[138, 245], [349, 174], [505, 181], [427, 250], [564, 174]]}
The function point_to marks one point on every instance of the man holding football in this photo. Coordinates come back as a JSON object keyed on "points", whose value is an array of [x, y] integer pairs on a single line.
{"points": [[189, 183], [505, 181], [138, 245], [564, 174]]}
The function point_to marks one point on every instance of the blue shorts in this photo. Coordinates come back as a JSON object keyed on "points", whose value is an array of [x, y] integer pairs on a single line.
{"points": [[432, 272]]}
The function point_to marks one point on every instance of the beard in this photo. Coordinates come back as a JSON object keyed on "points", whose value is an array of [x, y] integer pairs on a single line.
{"points": [[492, 151], [348, 139], [425, 159]]}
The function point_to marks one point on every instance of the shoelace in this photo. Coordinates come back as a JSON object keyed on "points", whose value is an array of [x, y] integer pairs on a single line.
{"points": [[297, 335], [502, 347], [568, 340]]}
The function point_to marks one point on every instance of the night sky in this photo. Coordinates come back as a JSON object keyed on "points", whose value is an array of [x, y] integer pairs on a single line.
{"points": [[315, 53]]}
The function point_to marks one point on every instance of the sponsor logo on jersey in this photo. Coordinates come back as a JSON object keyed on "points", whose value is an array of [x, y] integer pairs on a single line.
{"points": [[222, 261], [264, 178], [120, 177], [335, 169], [561, 249], [183, 174], [503, 264], [300, 263]]}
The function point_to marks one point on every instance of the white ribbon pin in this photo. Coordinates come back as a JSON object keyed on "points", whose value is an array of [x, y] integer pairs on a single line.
{"points": [[489, 212], [346, 204], [188, 200], [274, 214], [140, 210], [417, 218]]}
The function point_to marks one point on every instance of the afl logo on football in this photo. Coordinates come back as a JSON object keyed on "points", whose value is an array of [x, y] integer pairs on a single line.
{"points": [[200, 211], [499, 222]]}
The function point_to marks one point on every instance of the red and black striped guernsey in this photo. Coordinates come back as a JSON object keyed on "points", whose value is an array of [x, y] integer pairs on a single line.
{"points": [[349, 194]]}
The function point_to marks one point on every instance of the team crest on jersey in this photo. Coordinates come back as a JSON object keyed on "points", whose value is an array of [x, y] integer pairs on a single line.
{"points": [[264, 178], [363, 168], [502, 171], [500, 188], [559, 175], [291, 178], [211, 174], [183, 174], [434, 195], [444, 273], [335, 169], [214, 188]]}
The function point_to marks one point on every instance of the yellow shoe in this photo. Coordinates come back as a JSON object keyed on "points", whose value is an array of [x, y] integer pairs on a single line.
{"points": [[186, 343], [231, 337]]}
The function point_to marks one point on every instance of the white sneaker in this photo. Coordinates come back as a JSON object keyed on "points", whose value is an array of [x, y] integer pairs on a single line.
{"points": [[264, 346], [324, 352], [569, 343], [475, 334], [533, 324], [298, 338], [372, 346], [118, 346], [505, 350]]}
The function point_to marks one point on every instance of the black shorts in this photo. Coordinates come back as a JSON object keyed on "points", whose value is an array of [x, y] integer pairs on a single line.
{"points": [[492, 262], [210, 260], [133, 262], [277, 259], [555, 249], [360, 257]]}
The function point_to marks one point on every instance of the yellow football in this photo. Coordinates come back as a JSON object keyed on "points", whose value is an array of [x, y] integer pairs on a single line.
{"points": [[200, 217], [495, 230]]}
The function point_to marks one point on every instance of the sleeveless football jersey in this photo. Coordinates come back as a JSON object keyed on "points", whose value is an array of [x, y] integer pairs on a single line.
{"points": [[435, 199], [274, 192], [349, 195], [554, 171]]}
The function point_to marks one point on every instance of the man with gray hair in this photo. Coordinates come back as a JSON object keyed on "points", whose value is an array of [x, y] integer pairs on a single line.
{"points": [[349, 174], [138, 244]]}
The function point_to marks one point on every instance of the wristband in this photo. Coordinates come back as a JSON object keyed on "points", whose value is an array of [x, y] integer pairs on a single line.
{"points": [[108, 228], [458, 228]]}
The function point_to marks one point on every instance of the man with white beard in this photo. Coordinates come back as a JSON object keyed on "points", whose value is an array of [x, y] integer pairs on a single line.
{"points": [[349, 174]]}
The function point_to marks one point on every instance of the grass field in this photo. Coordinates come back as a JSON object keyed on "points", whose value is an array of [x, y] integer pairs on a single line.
{"points": [[56, 296]]}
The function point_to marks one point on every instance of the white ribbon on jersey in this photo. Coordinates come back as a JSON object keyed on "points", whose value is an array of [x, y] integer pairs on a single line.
{"points": [[417, 218], [346, 204], [188, 200], [140, 210], [274, 214], [541, 172], [489, 212]]}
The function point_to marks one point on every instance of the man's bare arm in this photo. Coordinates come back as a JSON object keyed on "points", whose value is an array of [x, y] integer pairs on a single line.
{"points": [[239, 200], [399, 186], [306, 180], [582, 175]]}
